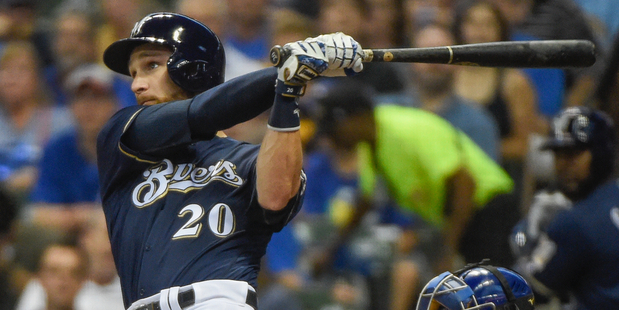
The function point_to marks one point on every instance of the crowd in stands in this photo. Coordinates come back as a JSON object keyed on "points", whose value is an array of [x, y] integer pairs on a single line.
{"points": [[413, 169]]}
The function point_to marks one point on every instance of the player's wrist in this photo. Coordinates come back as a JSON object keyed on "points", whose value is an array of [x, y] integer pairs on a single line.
{"points": [[285, 111]]}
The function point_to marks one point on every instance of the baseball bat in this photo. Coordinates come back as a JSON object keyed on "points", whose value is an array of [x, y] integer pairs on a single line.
{"points": [[513, 54]]}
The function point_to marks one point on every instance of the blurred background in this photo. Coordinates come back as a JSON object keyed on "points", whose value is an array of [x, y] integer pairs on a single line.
{"points": [[413, 169]]}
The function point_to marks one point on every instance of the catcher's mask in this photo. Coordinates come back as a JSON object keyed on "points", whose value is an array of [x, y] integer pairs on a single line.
{"points": [[448, 292]]}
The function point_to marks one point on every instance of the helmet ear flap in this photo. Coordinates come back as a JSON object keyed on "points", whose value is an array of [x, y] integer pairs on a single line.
{"points": [[194, 76]]}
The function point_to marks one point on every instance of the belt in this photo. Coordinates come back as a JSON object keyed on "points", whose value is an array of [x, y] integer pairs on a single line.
{"points": [[188, 298]]}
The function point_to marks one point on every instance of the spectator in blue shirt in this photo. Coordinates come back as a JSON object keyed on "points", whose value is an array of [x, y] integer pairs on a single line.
{"points": [[68, 185]]}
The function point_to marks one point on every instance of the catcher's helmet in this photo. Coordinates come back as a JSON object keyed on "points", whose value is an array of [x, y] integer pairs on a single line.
{"points": [[447, 291], [503, 287], [198, 59], [586, 128]]}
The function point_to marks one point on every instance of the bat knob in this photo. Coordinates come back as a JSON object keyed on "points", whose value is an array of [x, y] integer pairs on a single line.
{"points": [[278, 55]]}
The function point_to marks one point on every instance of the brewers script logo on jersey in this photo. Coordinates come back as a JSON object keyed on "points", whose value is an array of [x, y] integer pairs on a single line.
{"points": [[166, 176]]}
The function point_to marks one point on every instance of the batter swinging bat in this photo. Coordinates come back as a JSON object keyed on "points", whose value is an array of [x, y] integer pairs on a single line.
{"points": [[514, 54]]}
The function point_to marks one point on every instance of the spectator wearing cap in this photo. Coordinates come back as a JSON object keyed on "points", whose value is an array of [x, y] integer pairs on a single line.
{"points": [[67, 189]]}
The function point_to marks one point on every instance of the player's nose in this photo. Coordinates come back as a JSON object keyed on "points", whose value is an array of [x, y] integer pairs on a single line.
{"points": [[139, 85]]}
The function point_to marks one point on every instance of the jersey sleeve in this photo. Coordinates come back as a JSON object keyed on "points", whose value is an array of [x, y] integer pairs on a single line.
{"points": [[157, 130]]}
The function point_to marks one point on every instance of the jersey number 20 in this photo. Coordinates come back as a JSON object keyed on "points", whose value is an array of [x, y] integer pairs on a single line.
{"points": [[220, 221]]}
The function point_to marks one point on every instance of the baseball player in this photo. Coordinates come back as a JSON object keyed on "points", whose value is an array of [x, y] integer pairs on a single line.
{"points": [[576, 252], [190, 212]]}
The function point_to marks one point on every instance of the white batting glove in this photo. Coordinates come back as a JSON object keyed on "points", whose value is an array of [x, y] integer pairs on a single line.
{"points": [[306, 62], [344, 54]]}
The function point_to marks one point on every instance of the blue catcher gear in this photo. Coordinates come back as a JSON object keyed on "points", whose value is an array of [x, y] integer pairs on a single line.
{"points": [[503, 287], [587, 129], [446, 291], [198, 59]]}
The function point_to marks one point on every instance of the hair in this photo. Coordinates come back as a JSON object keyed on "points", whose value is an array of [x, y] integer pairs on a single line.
{"points": [[19, 48], [286, 21], [399, 24], [463, 10], [71, 244], [70, 11], [343, 99]]}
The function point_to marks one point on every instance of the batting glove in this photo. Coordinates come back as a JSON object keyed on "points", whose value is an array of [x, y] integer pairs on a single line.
{"points": [[306, 62], [344, 54]]}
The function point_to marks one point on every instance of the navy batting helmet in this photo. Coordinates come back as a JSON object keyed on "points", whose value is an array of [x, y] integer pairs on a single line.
{"points": [[197, 62], [503, 287], [586, 128]]}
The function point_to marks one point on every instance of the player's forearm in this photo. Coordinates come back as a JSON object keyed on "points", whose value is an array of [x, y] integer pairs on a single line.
{"points": [[161, 127], [233, 102], [278, 168]]}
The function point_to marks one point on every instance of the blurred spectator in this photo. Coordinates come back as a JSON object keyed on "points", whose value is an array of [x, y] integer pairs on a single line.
{"points": [[102, 290], [390, 15], [602, 16], [62, 270], [332, 19], [308, 8], [19, 21], [118, 18], [30, 243], [212, 13], [248, 30], [284, 279], [554, 20], [384, 77], [432, 89], [27, 117], [607, 93], [247, 51], [8, 216], [506, 93], [74, 45], [510, 98], [247, 36], [576, 252], [287, 26], [67, 189], [419, 13], [431, 169]]}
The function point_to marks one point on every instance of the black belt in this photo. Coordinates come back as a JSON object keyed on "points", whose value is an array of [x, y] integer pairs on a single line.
{"points": [[188, 298]]}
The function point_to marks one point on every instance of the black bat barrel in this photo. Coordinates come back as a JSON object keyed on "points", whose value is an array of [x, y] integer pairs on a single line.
{"points": [[515, 54]]}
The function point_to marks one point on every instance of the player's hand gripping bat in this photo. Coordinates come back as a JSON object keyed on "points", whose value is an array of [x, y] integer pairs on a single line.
{"points": [[513, 54]]}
